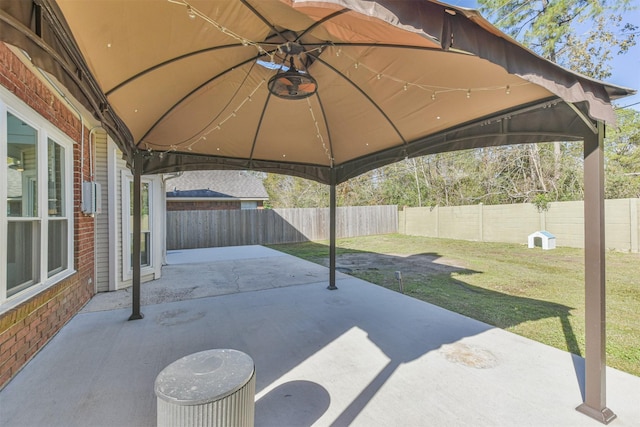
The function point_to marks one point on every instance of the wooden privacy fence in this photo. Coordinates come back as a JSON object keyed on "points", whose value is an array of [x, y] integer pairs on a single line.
{"points": [[204, 229], [514, 223]]}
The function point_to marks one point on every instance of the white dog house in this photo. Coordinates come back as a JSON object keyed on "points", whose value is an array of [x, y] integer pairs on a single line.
{"points": [[542, 238]]}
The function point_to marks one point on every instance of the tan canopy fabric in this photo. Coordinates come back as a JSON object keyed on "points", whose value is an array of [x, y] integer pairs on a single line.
{"points": [[187, 82]]}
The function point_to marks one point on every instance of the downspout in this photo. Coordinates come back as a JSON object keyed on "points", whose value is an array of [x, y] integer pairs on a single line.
{"points": [[92, 152]]}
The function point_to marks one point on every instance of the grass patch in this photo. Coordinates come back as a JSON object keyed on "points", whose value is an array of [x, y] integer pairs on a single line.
{"points": [[534, 293]]}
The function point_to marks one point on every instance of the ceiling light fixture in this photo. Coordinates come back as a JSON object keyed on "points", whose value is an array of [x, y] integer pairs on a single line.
{"points": [[292, 84]]}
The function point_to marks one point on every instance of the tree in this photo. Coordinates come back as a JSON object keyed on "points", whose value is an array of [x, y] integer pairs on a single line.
{"points": [[581, 35], [292, 192], [622, 154]]}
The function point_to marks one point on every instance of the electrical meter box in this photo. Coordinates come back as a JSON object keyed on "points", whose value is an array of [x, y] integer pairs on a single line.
{"points": [[91, 198]]}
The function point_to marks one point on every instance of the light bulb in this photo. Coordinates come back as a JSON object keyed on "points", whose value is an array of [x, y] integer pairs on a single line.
{"points": [[190, 12]]}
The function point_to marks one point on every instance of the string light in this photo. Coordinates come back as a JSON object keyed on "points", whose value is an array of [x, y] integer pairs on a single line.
{"points": [[193, 12], [339, 52], [318, 133], [234, 113], [190, 12], [434, 89]]}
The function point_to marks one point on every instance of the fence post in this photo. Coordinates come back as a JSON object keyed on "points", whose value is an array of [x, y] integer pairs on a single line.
{"points": [[480, 223], [633, 224]]}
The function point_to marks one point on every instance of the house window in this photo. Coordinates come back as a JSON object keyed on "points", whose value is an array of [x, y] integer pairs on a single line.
{"points": [[58, 224], [37, 212], [22, 206], [248, 205]]}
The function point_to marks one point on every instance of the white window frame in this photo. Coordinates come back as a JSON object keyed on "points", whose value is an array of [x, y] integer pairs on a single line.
{"points": [[155, 211], [9, 103]]}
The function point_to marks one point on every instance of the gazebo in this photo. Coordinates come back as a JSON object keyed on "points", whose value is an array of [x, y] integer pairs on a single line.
{"points": [[324, 90]]}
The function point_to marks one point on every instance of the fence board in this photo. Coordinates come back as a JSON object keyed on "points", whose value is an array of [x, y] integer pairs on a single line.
{"points": [[202, 229], [513, 223]]}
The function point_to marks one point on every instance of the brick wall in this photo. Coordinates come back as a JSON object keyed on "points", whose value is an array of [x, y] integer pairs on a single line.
{"points": [[26, 328]]}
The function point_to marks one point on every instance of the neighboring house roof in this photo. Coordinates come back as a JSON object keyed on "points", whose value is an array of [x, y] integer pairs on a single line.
{"points": [[217, 184]]}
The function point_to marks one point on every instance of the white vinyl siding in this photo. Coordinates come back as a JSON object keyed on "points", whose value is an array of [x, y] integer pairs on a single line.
{"points": [[102, 220]]}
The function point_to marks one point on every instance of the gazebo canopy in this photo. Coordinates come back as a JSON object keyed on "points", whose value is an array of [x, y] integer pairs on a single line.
{"points": [[324, 90], [188, 83]]}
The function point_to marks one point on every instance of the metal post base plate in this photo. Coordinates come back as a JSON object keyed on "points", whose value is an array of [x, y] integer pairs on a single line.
{"points": [[332, 287], [605, 416], [136, 316]]}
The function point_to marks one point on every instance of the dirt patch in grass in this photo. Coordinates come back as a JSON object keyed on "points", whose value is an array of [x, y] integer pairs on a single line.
{"points": [[421, 264]]}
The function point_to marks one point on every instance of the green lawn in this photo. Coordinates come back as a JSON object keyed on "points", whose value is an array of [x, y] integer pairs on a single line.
{"points": [[534, 293]]}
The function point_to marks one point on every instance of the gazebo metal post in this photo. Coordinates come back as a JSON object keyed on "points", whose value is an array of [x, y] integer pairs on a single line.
{"points": [[135, 256], [595, 402], [332, 231]]}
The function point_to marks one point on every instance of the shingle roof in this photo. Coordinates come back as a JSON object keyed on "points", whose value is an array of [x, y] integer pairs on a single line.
{"points": [[217, 183]]}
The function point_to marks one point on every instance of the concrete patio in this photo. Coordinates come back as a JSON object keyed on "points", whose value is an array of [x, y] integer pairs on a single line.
{"points": [[361, 355]]}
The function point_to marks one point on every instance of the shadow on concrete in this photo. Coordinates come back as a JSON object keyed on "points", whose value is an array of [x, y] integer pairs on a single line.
{"points": [[422, 271], [302, 401]]}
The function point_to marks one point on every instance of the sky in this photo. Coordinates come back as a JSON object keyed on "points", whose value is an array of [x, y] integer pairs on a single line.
{"points": [[625, 68]]}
